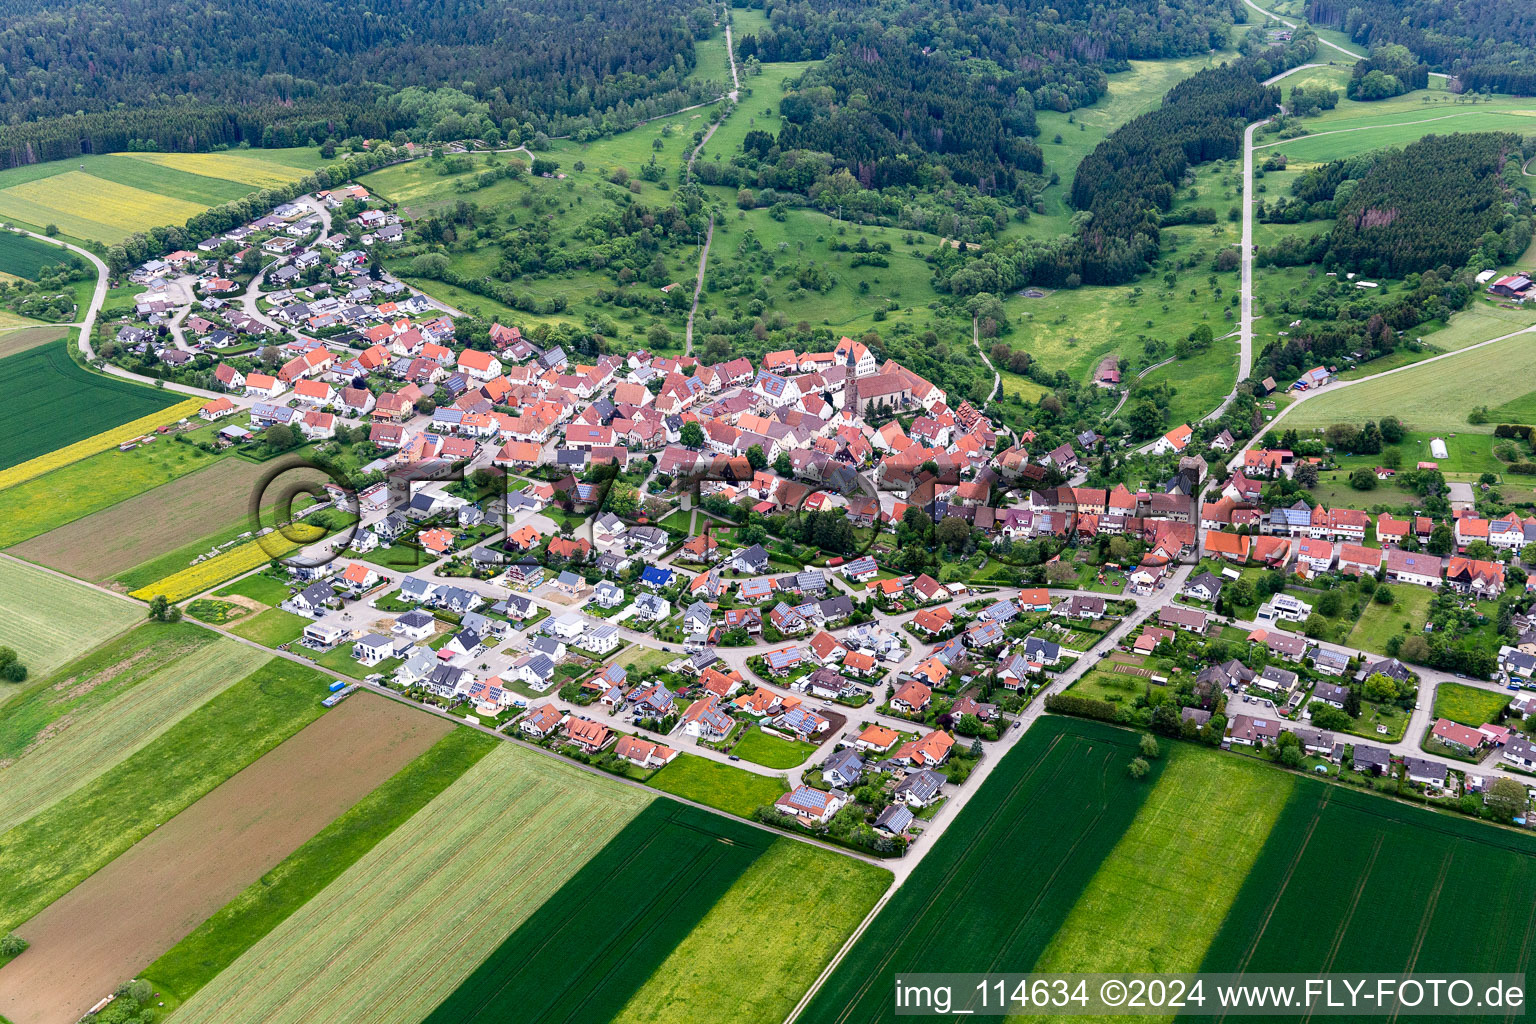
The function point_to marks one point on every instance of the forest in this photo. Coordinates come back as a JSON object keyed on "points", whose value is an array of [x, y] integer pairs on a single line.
{"points": [[1444, 201], [1486, 45], [87, 76]]}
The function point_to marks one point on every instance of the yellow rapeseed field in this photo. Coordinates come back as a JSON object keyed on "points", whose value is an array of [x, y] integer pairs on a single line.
{"points": [[229, 166], [75, 197], [96, 443], [195, 579]]}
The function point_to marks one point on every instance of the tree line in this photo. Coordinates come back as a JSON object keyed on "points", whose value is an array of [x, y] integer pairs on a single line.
{"points": [[87, 76], [1486, 46]]}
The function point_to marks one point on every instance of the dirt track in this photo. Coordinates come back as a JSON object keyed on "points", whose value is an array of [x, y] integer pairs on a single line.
{"points": [[117, 921]]}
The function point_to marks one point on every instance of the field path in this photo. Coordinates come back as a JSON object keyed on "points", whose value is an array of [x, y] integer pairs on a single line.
{"points": [[698, 284], [114, 923]]}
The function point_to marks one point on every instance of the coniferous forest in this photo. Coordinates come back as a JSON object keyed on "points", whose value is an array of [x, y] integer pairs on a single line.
{"points": [[1487, 46]]}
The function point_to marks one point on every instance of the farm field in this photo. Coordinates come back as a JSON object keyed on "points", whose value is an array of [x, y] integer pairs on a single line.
{"points": [[18, 341], [269, 900], [47, 619], [1161, 894], [86, 206], [367, 949], [676, 862], [153, 785], [717, 785], [1469, 705], [1054, 808], [1430, 396], [25, 256], [1380, 622], [776, 949], [194, 579], [91, 482], [63, 731], [108, 197], [1338, 859], [105, 543], [1337, 138], [57, 403], [109, 926]]}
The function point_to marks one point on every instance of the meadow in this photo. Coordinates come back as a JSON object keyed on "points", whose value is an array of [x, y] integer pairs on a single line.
{"points": [[581, 956], [105, 543], [1356, 131], [48, 619], [1469, 705], [1055, 807], [401, 928], [146, 789], [1432, 396], [63, 731], [1159, 897], [772, 751], [271, 628], [270, 900], [25, 256], [56, 403], [1380, 622], [1351, 882], [776, 947], [718, 785]]}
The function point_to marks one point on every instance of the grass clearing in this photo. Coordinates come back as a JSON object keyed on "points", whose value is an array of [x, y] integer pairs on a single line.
{"points": [[759, 747], [152, 785], [776, 947], [48, 619], [63, 732], [403, 926], [1469, 705], [718, 785], [55, 402], [271, 628], [1380, 622], [267, 902], [1162, 893], [1056, 805], [582, 954]]}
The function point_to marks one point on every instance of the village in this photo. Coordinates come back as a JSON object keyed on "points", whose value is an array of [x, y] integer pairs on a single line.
{"points": [[622, 558]]}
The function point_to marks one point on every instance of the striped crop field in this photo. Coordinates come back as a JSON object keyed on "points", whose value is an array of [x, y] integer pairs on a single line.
{"points": [[25, 256], [195, 579], [400, 929], [61, 732], [60, 412], [90, 207], [248, 170], [48, 619]]}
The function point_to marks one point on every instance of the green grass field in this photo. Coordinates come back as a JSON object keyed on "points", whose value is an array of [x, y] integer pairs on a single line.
{"points": [[219, 941], [271, 627], [1428, 396], [1351, 882], [717, 785], [776, 947], [1333, 138], [1380, 622], [1055, 806], [582, 955], [257, 587], [401, 928], [48, 619], [771, 751], [25, 257], [1469, 705], [152, 785], [63, 730], [1162, 893], [54, 402]]}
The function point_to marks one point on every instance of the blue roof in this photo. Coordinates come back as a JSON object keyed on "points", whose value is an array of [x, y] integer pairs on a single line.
{"points": [[657, 576]]}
